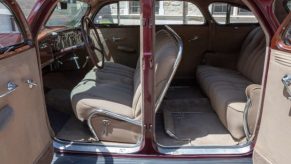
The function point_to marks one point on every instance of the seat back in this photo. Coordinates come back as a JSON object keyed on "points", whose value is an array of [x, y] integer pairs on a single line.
{"points": [[168, 52], [252, 55]]}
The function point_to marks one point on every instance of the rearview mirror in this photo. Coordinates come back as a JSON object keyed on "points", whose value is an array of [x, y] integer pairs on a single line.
{"points": [[63, 5]]}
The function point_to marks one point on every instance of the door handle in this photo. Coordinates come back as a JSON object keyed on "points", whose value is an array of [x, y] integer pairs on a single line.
{"points": [[286, 80], [30, 83], [115, 39], [11, 87], [194, 38]]}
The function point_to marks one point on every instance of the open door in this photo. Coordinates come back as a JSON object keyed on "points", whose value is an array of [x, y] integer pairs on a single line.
{"points": [[25, 135], [273, 144]]}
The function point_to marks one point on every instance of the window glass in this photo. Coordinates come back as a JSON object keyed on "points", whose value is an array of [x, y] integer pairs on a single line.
{"points": [[9, 30], [178, 12], [224, 13], [26, 6], [281, 9], [167, 12], [68, 16]]}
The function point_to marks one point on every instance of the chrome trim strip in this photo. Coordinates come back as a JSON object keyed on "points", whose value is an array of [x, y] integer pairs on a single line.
{"points": [[175, 67], [245, 119], [69, 146], [111, 115], [206, 150]]}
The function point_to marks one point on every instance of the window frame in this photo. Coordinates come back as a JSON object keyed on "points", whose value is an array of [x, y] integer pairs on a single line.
{"points": [[26, 40], [228, 15], [126, 25]]}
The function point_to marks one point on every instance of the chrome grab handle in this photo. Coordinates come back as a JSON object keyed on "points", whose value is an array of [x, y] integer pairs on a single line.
{"points": [[286, 80], [194, 38], [11, 87], [115, 39]]}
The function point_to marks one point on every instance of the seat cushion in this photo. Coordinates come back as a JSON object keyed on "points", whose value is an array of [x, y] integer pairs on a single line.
{"points": [[109, 89], [226, 91], [112, 72]]}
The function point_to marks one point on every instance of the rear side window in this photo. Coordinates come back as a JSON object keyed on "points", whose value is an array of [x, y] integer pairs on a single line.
{"points": [[167, 12], [281, 9], [9, 30], [224, 13]]}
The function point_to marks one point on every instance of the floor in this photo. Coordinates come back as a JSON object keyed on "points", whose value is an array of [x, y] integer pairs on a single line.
{"points": [[186, 119], [58, 86]]}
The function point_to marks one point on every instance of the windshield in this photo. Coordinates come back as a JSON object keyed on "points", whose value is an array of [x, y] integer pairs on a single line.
{"points": [[68, 14]]}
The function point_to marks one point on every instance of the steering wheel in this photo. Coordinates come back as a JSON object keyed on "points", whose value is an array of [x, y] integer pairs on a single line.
{"points": [[92, 42]]}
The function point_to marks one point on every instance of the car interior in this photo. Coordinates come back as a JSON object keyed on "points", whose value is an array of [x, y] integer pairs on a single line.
{"points": [[208, 67]]}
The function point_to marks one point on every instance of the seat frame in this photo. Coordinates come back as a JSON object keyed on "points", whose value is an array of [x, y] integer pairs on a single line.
{"points": [[134, 122]]}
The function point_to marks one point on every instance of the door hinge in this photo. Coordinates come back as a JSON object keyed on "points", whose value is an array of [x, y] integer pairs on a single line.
{"points": [[148, 127]]}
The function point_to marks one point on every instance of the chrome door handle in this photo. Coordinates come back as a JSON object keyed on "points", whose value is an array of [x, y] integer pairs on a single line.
{"points": [[194, 38], [30, 83], [115, 39], [11, 87], [286, 80]]}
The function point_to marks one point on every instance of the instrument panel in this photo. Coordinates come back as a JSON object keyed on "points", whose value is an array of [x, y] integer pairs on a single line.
{"points": [[58, 43]]}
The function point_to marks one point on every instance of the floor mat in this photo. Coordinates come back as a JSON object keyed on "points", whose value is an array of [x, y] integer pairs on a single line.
{"points": [[192, 122], [183, 92], [75, 130]]}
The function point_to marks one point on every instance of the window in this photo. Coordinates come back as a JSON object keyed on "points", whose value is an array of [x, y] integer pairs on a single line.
{"points": [[167, 12], [281, 9], [9, 30], [26, 6], [69, 16], [178, 12], [134, 7], [224, 13], [219, 9]]}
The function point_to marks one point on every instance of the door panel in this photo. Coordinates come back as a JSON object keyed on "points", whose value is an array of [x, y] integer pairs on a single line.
{"points": [[24, 132], [195, 41], [25, 135], [274, 134], [122, 44], [229, 38], [273, 143]]}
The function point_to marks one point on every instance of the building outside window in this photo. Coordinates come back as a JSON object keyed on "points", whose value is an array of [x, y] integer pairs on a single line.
{"points": [[219, 9], [134, 7]]}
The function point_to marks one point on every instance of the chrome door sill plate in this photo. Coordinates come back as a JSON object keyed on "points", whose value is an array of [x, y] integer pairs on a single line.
{"points": [[206, 150], [68, 146]]}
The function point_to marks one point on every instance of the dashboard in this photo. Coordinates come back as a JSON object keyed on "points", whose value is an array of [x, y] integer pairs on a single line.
{"points": [[55, 43]]}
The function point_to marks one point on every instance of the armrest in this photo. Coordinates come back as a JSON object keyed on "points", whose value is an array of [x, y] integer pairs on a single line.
{"points": [[253, 93]]}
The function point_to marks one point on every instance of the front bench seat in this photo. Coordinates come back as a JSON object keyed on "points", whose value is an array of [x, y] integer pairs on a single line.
{"points": [[226, 88], [110, 99]]}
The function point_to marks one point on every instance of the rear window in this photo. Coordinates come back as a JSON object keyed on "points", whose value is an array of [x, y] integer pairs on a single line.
{"points": [[224, 13], [166, 12], [281, 9]]}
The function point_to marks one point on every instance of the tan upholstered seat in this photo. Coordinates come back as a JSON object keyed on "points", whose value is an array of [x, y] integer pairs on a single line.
{"points": [[226, 88], [114, 93]]}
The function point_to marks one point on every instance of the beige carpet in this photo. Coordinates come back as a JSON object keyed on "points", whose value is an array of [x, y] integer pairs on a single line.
{"points": [[75, 130], [191, 122]]}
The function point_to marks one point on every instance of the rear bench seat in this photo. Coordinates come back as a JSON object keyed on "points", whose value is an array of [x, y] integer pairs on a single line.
{"points": [[226, 88]]}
